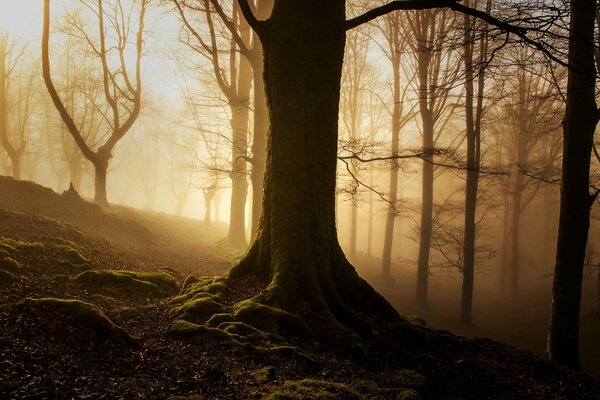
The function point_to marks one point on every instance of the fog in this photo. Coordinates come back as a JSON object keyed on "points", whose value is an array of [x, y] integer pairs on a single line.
{"points": [[182, 157]]}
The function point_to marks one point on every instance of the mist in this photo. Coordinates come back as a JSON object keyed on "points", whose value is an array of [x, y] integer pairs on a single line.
{"points": [[440, 176]]}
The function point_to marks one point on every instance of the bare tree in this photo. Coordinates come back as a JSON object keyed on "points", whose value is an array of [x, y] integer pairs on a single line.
{"points": [[13, 136], [121, 88]]}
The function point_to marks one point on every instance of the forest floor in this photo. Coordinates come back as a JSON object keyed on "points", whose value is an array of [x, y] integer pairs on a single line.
{"points": [[115, 342]]}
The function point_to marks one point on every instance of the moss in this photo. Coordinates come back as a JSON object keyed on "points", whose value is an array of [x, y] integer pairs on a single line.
{"points": [[190, 280], [199, 310], [216, 288], [168, 269], [9, 264], [313, 389], [218, 319], [249, 333], [104, 299], [163, 280], [71, 255], [270, 319], [184, 330], [82, 313], [117, 279]]}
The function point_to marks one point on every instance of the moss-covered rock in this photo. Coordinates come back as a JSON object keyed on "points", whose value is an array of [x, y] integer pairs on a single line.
{"points": [[189, 280], [218, 319], [199, 310], [163, 280], [247, 333], [81, 313], [71, 255], [314, 390], [270, 319], [127, 280], [185, 330]]}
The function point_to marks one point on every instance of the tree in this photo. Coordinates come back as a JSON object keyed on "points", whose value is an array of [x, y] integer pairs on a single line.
{"points": [[14, 143], [430, 30], [474, 109], [581, 118], [296, 249], [121, 90], [395, 47]]}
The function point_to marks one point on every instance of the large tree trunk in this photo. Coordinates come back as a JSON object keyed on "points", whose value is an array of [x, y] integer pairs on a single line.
{"points": [[579, 126], [296, 244]]}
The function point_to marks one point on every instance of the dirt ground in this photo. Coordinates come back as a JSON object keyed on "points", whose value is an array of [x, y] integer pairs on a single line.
{"points": [[51, 348]]}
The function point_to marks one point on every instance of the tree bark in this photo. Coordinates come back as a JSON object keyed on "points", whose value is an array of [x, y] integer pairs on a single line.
{"points": [[579, 125], [393, 186], [296, 245], [100, 172], [515, 229], [236, 235]]}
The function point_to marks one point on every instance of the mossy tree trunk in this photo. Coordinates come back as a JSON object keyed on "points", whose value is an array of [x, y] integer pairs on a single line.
{"points": [[296, 245]]}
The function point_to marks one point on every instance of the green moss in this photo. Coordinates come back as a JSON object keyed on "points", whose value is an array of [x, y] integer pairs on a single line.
{"points": [[185, 330], [190, 280], [71, 255], [104, 299], [216, 288], [199, 310], [249, 333], [82, 313], [161, 279], [270, 319], [9, 264], [315, 390], [218, 319], [118, 279]]}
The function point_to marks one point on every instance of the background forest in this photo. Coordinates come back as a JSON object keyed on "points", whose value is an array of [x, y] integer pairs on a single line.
{"points": [[449, 154]]}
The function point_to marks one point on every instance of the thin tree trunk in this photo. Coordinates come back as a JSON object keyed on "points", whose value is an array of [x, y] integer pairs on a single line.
{"points": [[579, 125], [15, 160], [504, 248], [388, 239], [515, 228], [100, 171], [236, 236]]}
